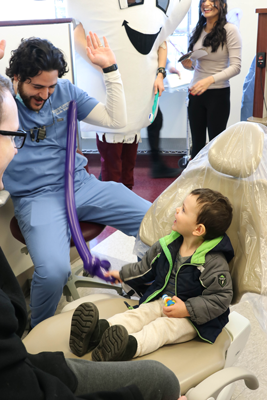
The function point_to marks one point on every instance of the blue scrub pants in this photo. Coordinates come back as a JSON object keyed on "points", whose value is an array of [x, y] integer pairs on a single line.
{"points": [[43, 223]]}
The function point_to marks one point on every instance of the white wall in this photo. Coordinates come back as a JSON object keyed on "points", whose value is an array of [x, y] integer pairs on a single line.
{"points": [[248, 29], [26, 9]]}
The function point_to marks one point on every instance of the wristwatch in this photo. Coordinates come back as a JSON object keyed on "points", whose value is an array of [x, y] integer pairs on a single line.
{"points": [[113, 67], [163, 71]]}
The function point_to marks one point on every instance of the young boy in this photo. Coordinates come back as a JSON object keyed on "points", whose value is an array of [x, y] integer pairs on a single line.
{"points": [[191, 266]]}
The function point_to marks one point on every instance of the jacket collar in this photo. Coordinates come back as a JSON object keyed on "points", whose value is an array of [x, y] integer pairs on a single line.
{"points": [[221, 244]]}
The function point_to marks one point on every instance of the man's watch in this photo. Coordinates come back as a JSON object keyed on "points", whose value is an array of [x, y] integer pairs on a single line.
{"points": [[113, 67], [163, 71]]}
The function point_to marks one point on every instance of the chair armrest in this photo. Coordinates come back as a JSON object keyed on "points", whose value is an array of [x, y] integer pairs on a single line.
{"points": [[215, 383], [4, 196]]}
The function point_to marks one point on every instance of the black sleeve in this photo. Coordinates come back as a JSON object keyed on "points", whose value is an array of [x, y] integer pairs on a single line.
{"points": [[11, 287], [126, 393]]}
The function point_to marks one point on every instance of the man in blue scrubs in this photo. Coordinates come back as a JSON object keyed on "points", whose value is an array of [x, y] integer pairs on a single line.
{"points": [[35, 178], [49, 375]]}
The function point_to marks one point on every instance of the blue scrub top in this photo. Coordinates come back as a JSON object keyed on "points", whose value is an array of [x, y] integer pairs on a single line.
{"points": [[40, 167]]}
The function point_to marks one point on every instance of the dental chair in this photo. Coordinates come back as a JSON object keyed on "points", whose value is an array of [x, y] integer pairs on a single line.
{"points": [[233, 164], [90, 231]]}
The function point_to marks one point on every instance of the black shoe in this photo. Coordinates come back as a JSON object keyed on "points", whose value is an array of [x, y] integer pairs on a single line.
{"points": [[115, 345], [160, 170], [86, 329]]}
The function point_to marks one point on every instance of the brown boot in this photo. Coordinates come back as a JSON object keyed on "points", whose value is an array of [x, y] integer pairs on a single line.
{"points": [[86, 329], [115, 345]]}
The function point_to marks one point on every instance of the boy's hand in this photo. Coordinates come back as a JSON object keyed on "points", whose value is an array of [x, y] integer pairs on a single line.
{"points": [[178, 310], [115, 275]]}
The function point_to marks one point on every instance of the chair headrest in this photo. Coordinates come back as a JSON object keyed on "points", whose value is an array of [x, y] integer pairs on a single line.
{"points": [[238, 150]]}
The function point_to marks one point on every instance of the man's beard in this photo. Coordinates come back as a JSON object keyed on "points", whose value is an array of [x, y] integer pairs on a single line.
{"points": [[27, 99]]}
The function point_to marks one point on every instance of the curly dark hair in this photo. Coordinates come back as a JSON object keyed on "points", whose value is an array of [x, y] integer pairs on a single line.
{"points": [[215, 212], [217, 36], [33, 56]]}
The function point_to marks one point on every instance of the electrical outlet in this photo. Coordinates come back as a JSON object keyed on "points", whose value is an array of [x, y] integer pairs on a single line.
{"points": [[261, 60]]}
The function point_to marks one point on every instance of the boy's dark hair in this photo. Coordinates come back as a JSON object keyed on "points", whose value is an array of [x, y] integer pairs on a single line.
{"points": [[215, 212], [33, 56], [5, 85]]}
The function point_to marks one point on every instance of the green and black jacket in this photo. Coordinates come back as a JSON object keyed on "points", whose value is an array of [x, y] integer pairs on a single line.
{"points": [[203, 282]]}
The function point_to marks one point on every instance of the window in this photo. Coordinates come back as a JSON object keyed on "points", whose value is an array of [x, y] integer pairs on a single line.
{"points": [[163, 5], [129, 3], [34, 9]]}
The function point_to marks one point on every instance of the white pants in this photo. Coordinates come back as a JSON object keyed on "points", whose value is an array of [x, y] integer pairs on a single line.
{"points": [[153, 329]]}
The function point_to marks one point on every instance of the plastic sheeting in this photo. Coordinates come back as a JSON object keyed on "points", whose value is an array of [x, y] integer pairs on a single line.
{"points": [[234, 163]]}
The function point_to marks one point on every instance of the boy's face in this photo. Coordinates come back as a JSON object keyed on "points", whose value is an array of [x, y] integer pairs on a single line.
{"points": [[186, 217]]}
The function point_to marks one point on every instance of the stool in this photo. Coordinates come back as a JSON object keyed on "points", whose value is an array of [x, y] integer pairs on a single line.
{"points": [[90, 230]]}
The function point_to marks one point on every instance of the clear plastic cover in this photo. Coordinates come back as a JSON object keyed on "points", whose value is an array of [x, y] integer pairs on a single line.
{"points": [[235, 164]]}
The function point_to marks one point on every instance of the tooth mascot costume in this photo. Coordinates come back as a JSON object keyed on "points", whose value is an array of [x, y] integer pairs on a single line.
{"points": [[135, 29]]}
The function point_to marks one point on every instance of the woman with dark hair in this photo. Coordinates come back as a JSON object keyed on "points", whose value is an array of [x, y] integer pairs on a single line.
{"points": [[209, 92]]}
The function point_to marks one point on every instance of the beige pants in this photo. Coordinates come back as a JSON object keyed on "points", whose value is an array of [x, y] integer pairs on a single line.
{"points": [[152, 329]]}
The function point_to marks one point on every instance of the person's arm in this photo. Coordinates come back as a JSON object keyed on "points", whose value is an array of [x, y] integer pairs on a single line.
{"points": [[162, 59], [2, 48], [80, 42], [113, 114], [217, 295], [140, 268], [233, 42], [234, 46]]}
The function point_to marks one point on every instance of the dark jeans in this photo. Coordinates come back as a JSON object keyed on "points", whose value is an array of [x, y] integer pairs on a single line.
{"points": [[153, 132], [210, 110]]}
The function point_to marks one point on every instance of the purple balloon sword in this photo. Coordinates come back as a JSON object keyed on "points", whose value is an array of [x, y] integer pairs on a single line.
{"points": [[92, 264]]}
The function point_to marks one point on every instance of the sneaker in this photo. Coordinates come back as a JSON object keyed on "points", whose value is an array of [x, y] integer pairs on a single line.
{"points": [[86, 329], [115, 345]]}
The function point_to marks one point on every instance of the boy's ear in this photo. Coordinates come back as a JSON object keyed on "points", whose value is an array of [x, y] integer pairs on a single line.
{"points": [[200, 230]]}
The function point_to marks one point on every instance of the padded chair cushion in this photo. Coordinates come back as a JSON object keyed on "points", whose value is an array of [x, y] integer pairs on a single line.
{"points": [[242, 147], [238, 151], [90, 230], [191, 362], [15, 230]]}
